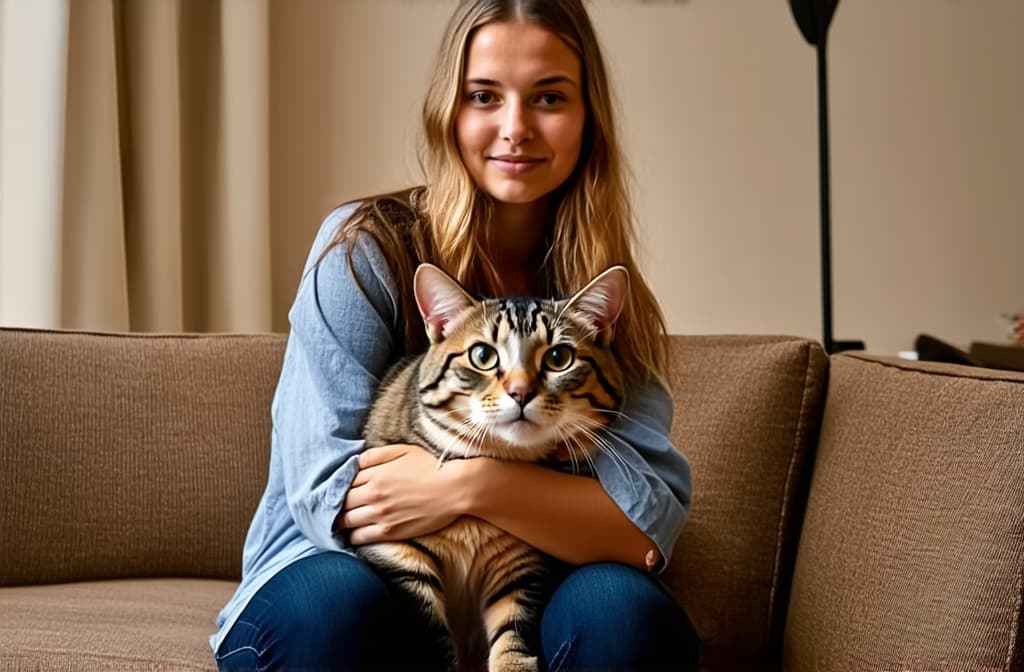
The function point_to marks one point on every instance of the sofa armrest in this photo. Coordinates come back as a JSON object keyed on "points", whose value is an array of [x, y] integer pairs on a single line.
{"points": [[912, 548]]}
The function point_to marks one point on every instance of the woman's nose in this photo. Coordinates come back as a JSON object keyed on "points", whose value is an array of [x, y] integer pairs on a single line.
{"points": [[515, 127]]}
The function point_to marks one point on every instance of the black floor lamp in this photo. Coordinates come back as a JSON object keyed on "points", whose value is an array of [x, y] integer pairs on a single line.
{"points": [[814, 17]]}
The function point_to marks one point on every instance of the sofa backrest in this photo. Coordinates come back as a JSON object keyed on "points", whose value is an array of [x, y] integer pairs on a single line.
{"points": [[912, 552], [747, 411], [130, 455], [145, 455]]}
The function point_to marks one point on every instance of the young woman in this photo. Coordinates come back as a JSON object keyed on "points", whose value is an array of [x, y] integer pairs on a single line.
{"points": [[524, 195]]}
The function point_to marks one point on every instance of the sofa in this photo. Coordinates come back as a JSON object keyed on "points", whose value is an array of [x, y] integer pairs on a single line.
{"points": [[851, 512]]}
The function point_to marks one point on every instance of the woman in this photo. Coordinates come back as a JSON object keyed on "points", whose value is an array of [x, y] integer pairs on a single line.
{"points": [[524, 195]]}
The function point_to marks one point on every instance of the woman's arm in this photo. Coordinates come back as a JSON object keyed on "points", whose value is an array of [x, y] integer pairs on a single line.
{"points": [[570, 517], [632, 515], [341, 341], [400, 493]]}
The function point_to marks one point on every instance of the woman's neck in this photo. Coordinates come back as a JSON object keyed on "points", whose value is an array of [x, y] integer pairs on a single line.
{"points": [[516, 244]]}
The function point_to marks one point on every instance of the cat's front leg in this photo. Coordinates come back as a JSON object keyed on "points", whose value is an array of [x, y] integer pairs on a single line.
{"points": [[509, 650], [512, 621]]}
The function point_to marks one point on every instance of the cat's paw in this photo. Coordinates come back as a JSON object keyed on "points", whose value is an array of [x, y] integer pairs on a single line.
{"points": [[512, 661]]}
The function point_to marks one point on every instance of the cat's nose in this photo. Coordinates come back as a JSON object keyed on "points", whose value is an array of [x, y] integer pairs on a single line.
{"points": [[520, 389], [522, 396]]}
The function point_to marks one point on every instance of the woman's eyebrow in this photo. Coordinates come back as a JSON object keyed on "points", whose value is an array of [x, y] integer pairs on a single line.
{"points": [[556, 79], [546, 81]]}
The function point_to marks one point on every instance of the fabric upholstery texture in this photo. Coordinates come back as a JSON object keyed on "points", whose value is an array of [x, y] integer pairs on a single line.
{"points": [[746, 415], [129, 624], [913, 545], [130, 455]]}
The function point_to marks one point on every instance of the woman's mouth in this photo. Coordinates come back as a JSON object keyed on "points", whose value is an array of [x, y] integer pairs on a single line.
{"points": [[515, 165]]}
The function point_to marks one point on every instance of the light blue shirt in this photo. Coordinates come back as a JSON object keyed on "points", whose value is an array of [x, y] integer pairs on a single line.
{"points": [[344, 336]]}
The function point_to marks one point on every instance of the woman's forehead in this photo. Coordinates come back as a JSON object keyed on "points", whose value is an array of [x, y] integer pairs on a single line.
{"points": [[520, 52]]}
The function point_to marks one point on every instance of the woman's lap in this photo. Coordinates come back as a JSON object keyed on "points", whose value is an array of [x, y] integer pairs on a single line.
{"points": [[332, 611], [328, 611], [613, 617]]}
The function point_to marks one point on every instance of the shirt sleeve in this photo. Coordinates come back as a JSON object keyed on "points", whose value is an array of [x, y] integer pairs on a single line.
{"points": [[643, 472], [344, 323]]}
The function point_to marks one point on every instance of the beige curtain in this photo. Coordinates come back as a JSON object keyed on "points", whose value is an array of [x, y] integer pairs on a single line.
{"points": [[134, 181]]}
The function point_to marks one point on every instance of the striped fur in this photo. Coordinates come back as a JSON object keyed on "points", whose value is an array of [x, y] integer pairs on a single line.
{"points": [[518, 379]]}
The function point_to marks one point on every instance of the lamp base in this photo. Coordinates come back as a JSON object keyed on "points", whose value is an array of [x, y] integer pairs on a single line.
{"points": [[840, 346]]}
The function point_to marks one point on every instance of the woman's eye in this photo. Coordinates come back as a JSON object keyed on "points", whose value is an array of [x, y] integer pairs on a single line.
{"points": [[482, 97], [483, 357], [559, 358], [551, 98]]}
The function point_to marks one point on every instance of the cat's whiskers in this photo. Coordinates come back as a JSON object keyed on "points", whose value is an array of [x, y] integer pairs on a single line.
{"points": [[572, 453], [473, 432], [618, 415], [564, 439], [574, 443], [602, 443], [481, 429], [587, 455]]}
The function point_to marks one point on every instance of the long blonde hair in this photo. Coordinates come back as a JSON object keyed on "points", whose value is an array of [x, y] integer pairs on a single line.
{"points": [[446, 221]]}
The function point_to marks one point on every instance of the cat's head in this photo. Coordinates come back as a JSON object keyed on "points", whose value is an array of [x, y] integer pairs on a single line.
{"points": [[519, 378]]}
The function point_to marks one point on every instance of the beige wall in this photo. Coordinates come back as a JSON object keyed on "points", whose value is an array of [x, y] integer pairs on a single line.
{"points": [[718, 110]]}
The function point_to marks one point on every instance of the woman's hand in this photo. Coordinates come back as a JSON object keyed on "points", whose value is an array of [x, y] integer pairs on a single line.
{"points": [[400, 493]]}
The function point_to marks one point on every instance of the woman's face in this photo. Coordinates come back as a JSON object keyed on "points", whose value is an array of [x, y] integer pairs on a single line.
{"points": [[519, 126]]}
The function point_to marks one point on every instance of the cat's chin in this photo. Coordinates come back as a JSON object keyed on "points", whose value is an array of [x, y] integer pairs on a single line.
{"points": [[521, 440]]}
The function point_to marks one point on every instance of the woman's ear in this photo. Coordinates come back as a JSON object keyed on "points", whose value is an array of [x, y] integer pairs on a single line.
{"points": [[440, 298]]}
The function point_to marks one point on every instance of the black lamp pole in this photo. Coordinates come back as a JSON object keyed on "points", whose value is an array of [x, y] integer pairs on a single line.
{"points": [[813, 18]]}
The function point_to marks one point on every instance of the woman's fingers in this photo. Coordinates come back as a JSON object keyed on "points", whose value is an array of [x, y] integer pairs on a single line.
{"points": [[398, 492], [368, 534], [359, 516], [374, 457], [364, 527], [358, 495], [371, 457]]}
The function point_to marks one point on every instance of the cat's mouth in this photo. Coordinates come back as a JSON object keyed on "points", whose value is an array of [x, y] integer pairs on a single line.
{"points": [[522, 417], [519, 435]]}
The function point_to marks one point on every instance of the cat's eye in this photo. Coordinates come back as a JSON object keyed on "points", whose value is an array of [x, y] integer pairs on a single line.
{"points": [[559, 358], [483, 356]]}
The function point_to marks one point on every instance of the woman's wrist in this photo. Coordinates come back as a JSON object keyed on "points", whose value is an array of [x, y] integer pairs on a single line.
{"points": [[472, 481]]}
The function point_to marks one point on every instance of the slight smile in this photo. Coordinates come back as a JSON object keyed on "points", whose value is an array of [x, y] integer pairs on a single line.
{"points": [[515, 164]]}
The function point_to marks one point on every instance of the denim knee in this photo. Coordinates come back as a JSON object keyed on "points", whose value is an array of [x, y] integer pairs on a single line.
{"points": [[326, 612], [611, 616]]}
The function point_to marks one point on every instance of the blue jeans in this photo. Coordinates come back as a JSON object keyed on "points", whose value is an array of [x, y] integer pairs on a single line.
{"points": [[332, 611]]}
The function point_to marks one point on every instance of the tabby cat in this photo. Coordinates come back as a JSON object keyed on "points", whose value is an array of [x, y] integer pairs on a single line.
{"points": [[513, 378]]}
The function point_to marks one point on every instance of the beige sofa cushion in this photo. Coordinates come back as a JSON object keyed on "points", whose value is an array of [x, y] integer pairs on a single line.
{"points": [[913, 547], [747, 416], [134, 624], [130, 455]]}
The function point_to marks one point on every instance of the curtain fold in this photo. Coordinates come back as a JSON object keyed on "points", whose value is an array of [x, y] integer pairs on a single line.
{"points": [[134, 185], [150, 115], [94, 287], [241, 292]]}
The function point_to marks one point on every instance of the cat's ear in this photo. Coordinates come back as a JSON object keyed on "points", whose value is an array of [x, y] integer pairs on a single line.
{"points": [[602, 300], [440, 299]]}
